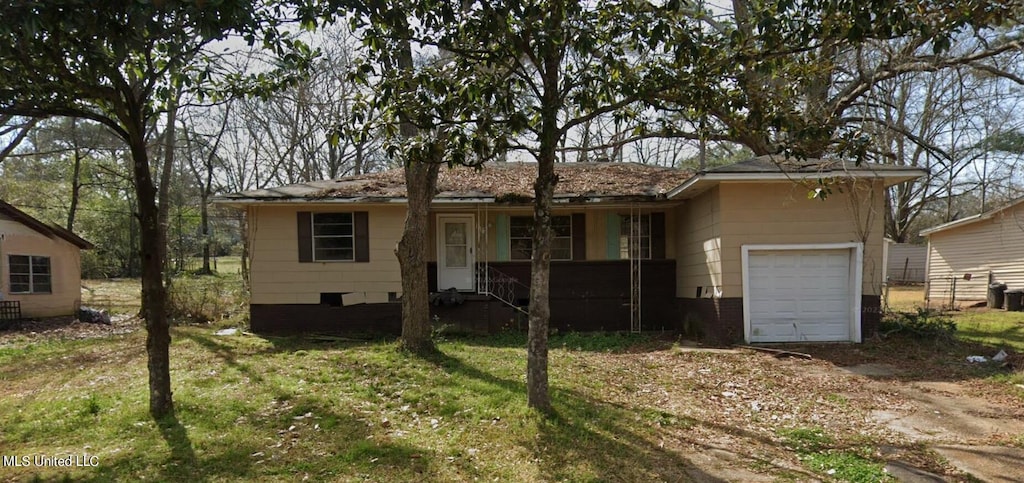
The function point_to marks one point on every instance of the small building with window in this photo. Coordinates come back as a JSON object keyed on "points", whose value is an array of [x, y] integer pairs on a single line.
{"points": [[738, 252], [40, 265]]}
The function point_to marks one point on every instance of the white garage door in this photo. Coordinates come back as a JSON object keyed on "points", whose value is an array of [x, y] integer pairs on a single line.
{"points": [[799, 295]]}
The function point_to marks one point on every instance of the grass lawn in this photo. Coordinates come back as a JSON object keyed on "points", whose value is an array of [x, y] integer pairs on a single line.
{"points": [[905, 298], [250, 408], [997, 328], [627, 408]]}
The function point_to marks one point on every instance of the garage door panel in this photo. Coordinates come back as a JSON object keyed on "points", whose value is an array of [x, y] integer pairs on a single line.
{"points": [[799, 295]]}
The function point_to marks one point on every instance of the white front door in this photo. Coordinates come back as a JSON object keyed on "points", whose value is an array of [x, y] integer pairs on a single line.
{"points": [[455, 259]]}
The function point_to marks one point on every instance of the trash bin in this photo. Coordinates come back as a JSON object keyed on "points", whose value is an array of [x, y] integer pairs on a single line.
{"points": [[995, 295], [1013, 300]]}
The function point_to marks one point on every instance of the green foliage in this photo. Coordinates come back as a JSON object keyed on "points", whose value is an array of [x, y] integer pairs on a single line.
{"points": [[847, 466], [816, 451], [922, 324], [805, 440], [91, 405]]}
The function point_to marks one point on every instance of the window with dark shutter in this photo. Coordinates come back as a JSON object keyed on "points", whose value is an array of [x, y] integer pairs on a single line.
{"points": [[521, 237], [333, 236]]}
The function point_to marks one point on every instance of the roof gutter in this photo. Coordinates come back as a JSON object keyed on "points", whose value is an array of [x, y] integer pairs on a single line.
{"points": [[893, 176]]}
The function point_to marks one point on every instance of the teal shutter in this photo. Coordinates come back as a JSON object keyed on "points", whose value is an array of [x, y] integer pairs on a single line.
{"points": [[501, 229], [614, 229]]}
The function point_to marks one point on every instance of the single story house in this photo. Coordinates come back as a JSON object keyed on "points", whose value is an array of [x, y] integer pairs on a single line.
{"points": [[738, 252], [965, 255], [40, 265]]}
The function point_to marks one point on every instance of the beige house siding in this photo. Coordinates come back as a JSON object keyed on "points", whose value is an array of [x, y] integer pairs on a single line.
{"points": [[781, 213], [65, 267], [279, 278], [698, 245], [995, 246]]}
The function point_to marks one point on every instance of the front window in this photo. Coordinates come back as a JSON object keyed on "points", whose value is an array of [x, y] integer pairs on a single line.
{"points": [[520, 232], [635, 237], [333, 237], [29, 274]]}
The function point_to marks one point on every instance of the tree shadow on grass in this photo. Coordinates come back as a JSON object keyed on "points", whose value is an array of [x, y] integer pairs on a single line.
{"points": [[175, 435], [585, 438], [281, 442]]}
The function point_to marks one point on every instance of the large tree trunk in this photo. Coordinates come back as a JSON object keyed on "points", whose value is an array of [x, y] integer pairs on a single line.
{"points": [[540, 280], [154, 296], [537, 395], [421, 180], [420, 183]]}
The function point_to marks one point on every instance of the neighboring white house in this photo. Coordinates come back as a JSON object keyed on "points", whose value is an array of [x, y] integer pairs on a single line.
{"points": [[905, 262], [965, 255]]}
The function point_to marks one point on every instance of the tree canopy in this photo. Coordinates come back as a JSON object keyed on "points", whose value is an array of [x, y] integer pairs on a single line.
{"points": [[127, 65]]}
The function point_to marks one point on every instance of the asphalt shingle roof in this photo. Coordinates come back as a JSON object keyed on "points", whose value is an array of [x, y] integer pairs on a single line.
{"points": [[502, 181]]}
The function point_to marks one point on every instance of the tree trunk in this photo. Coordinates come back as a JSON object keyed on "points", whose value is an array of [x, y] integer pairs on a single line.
{"points": [[421, 180], [154, 296], [204, 221], [540, 279], [537, 395], [420, 183], [76, 188]]}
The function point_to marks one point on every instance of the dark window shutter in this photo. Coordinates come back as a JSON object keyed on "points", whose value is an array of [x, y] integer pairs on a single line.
{"points": [[305, 220], [362, 220], [658, 236], [579, 236]]}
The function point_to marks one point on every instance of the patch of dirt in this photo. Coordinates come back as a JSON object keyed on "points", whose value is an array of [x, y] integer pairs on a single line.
{"points": [[725, 410], [993, 464], [973, 432], [68, 328]]}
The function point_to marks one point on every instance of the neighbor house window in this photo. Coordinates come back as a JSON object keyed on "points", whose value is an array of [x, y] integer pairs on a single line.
{"points": [[333, 237], [520, 234], [635, 237], [29, 274]]}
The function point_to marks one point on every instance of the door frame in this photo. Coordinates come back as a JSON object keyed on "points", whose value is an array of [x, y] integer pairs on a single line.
{"points": [[856, 279], [470, 220]]}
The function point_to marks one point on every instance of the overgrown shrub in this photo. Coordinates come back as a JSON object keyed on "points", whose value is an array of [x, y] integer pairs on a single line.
{"points": [[204, 299], [923, 324]]}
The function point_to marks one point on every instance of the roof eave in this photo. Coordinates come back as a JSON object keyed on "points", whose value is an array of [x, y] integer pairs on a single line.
{"points": [[954, 224], [700, 181], [43, 228], [971, 219]]}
